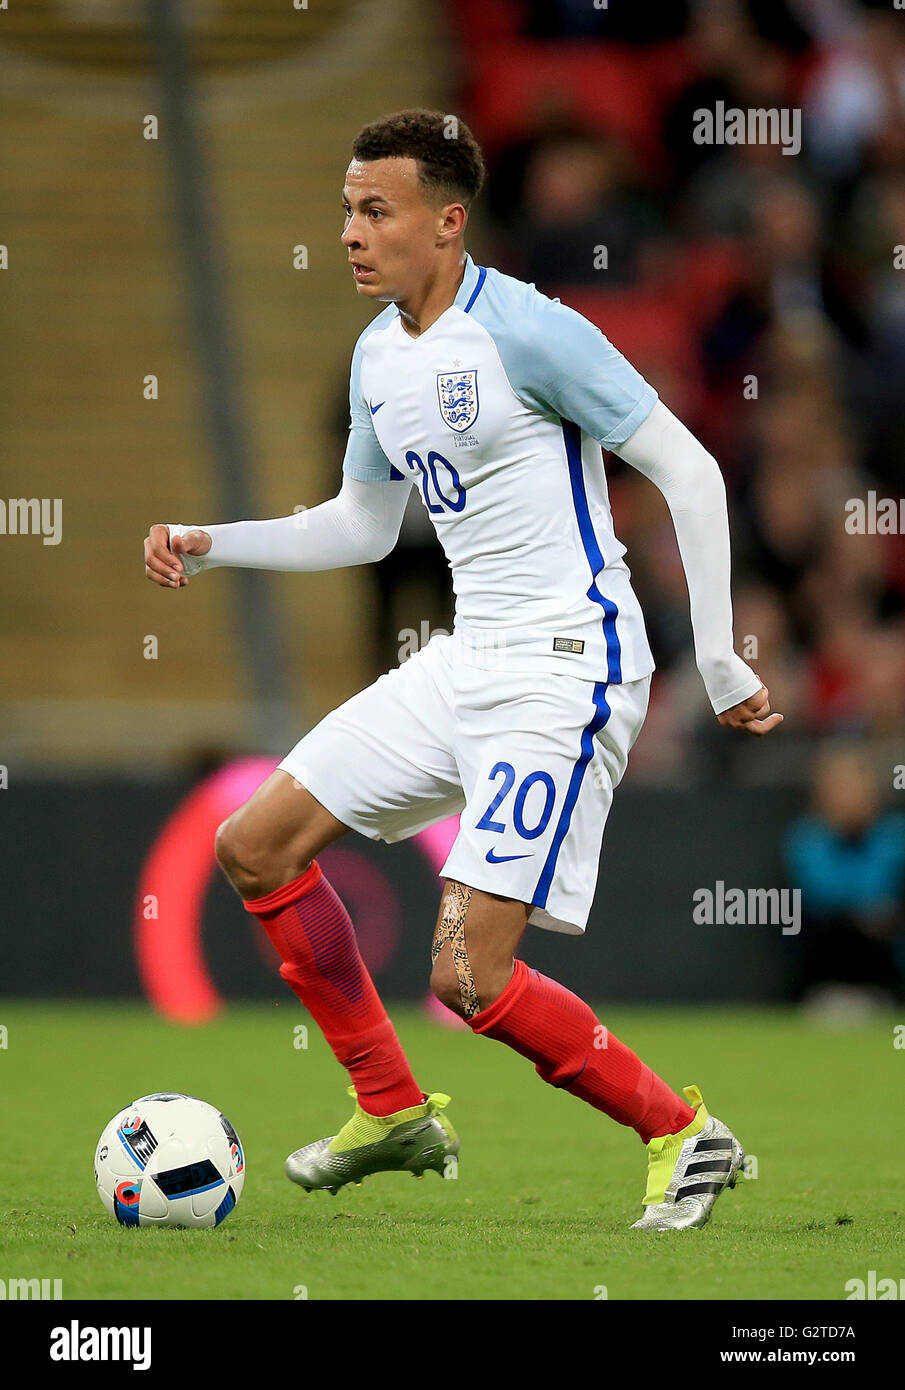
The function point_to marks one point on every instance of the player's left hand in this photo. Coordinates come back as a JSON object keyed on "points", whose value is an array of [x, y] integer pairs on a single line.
{"points": [[752, 715]]}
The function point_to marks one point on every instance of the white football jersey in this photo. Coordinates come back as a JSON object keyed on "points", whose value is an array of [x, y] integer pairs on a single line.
{"points": [[497, 413]]}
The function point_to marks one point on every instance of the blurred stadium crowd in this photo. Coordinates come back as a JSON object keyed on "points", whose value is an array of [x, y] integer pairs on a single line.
{"points": [[755, 289]]}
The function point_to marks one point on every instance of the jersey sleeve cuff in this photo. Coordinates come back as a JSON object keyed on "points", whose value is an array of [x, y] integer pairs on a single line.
{"points": [[193, 564], [638, 415], [742, 692], [367, 473]]}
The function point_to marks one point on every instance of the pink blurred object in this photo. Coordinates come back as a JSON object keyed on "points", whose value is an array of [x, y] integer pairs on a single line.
{"points": [[439, 1013], [436, 842]]}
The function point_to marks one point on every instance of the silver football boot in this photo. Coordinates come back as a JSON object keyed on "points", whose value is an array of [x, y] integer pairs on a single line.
{"points": [[688, 1171], [411, 1141]]}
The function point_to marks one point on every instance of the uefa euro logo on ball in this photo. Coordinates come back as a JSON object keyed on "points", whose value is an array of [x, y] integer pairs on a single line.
{"points": [[169, 1160]]}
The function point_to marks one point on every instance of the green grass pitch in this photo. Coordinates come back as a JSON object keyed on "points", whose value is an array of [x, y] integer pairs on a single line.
{"points": [[546, 1187]]}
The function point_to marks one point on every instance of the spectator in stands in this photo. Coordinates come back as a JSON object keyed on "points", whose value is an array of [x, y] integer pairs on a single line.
{"points": [[548, 119], [848, 859], [786, 496], [790, 281], [722, 49], [618, 19], [857, 95], [578, 198]]}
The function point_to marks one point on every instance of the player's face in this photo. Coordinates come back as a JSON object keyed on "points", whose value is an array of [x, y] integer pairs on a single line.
{"points": [[390, 232]]}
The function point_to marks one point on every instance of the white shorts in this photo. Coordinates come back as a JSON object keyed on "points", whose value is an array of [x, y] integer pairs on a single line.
{"points": [[530, 761]]}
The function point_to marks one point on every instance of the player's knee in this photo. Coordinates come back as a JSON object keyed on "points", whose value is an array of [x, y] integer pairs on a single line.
{"points": [[444, 984], [243, 861], [479, 986], [225, 847]]}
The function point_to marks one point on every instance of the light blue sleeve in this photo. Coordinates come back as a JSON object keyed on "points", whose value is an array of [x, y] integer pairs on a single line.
{"points": [[364, 459], [560, 364]]}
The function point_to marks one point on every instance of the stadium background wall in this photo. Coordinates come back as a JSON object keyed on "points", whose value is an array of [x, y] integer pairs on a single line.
{"points": [[78, 846]]}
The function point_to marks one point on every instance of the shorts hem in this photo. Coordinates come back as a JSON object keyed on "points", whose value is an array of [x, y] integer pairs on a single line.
{"points": [[357, 823], [341, 813], [540, 917], [537, 917]]}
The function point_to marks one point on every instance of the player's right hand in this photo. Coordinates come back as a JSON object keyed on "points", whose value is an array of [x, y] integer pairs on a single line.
{"points": [[162, 562]]}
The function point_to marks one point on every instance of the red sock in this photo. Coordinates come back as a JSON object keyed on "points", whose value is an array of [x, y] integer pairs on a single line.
{"points": [[311, 929], [559, 1033]]}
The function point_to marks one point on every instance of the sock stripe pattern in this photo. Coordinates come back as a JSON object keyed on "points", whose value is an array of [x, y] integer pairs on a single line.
{"points": [[313, 934], [324, 926]]}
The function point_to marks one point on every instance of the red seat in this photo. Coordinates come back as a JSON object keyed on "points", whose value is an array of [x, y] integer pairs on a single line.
{"points": [[603, 86], [476, 21], [640, 323], [709, 271]]}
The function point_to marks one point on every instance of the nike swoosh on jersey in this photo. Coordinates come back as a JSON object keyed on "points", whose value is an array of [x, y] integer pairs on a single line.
{"points": [[375, 408], [493, 858]]}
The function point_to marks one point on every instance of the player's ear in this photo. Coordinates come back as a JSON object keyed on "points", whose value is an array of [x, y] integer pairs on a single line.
{"points": [[451, 221]]}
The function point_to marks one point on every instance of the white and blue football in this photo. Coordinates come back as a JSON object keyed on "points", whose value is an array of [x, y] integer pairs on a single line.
{"points": [[169, 1160]]}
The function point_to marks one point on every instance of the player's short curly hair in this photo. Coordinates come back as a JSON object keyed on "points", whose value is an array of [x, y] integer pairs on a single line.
{"points": [[450, 159]]}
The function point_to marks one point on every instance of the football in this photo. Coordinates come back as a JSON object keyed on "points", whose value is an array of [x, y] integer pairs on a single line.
{"points": [[169, 1160]]}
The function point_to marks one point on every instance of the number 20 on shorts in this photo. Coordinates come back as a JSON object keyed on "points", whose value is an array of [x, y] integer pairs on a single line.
{"points": [[507, 772]]}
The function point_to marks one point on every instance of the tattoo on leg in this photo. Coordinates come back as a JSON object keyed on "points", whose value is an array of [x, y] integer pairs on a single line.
{"points": [[455, 901], [451, 928], [441, 936]]}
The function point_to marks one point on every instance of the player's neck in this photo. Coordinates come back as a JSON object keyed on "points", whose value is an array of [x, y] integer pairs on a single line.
{"points": [[434, 298]]}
